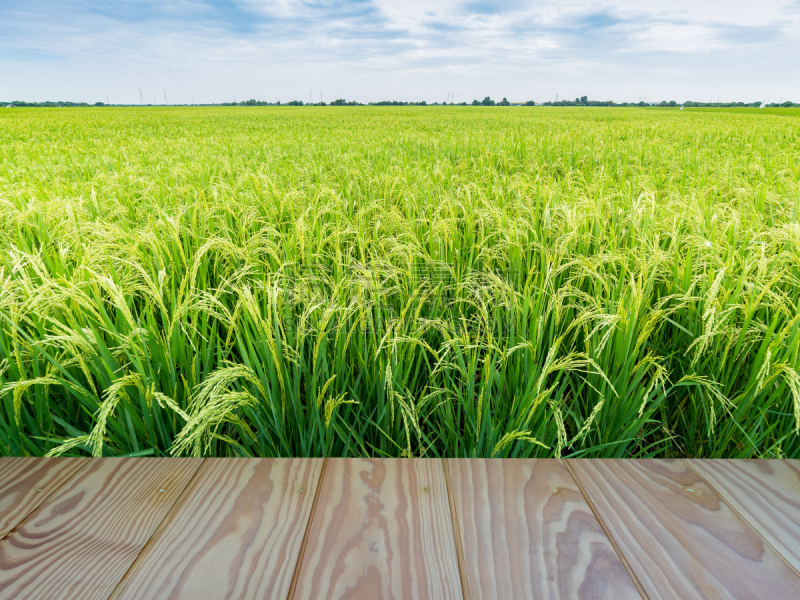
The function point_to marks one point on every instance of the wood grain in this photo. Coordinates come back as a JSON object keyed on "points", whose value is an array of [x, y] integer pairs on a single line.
{"points": [[25, 483], [680, 539], [527, 532], [766, 493], [381, 531], [236, 534], [80, 543]]}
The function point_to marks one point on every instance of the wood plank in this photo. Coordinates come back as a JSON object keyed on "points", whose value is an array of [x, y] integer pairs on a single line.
{"points": [[80, 543], [680, 539], [527, 532], [766, 493], [382, 529], [237, 533], [25, 483]]}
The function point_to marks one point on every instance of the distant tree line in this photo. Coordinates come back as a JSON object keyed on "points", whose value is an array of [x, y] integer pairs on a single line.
{"points": [[252, 103], [691, 104], [17, 103], [584, 101], [487, 101], [396, 103]]}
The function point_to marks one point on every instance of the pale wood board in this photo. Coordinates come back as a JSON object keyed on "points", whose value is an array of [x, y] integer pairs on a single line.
{"points": [[527, 532], [381, 530], [80, 543], [25, 483], [766, 493], [679, 537], [236, 534]]}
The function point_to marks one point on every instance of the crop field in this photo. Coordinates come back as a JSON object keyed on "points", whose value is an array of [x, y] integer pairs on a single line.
{"points": [[791, 111], [507, 282]]}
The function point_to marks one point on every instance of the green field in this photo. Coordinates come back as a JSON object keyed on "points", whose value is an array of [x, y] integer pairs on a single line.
{"points": [[791, 111], [391, 282]]}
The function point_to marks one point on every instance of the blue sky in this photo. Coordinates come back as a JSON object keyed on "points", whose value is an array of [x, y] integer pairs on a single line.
{"points": [[369, 50]]}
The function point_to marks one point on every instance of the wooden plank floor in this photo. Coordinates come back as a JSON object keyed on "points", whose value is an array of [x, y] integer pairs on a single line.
{"points": [[527, 532], [357, 529]]}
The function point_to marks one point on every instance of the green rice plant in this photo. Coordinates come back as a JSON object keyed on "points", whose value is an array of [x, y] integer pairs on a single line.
{"points": [[399, 282]]}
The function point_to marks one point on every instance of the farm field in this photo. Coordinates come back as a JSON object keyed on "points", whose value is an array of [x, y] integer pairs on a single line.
{"points": [[791, 111], [438, 282]]}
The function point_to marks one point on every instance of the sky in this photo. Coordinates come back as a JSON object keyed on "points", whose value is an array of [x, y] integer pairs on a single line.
{"points": [[204, 51]]}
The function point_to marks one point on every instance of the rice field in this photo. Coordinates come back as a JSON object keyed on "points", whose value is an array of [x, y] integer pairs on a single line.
{"points": [[431, 282]]}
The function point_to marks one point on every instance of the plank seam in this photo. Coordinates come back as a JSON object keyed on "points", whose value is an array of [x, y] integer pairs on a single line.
{"points": [[462, 569], [307, 534], [626, 565], [742, 517], [24, 520], [127, 577]]}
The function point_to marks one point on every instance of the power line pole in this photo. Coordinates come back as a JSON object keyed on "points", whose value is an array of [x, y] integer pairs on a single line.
{"points": [[141, 97], [165, 97]]}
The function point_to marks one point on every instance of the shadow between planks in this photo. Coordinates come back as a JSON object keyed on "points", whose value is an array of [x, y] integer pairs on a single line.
{"points": [[356, 529]]}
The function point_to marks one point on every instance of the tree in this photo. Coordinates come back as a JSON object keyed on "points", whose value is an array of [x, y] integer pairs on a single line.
{"points": [[488, 101], [504, 102], [476, 103], [584, 100], [339, 102], [530, 103]]}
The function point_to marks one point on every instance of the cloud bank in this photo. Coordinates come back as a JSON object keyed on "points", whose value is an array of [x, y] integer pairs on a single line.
{"points": [[369, 50]]}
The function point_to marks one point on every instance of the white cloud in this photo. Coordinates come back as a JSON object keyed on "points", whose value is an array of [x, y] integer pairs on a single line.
{"points": [[407, 50]]}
